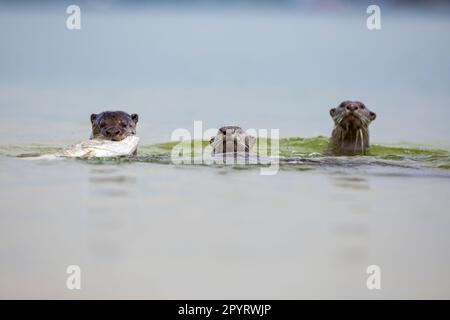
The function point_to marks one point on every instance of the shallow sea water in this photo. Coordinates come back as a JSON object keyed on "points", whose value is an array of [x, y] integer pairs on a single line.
{"points": [[142, 227]]}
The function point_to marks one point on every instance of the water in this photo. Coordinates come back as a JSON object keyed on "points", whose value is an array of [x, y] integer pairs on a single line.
{"points": [[145, 228]]}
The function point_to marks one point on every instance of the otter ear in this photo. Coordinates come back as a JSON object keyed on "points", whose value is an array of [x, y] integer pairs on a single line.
{"points": [[135, 117], [332, 112], [93, 118], [372, 115]]}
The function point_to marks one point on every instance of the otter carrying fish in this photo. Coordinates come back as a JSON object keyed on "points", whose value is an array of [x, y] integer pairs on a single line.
{"points": [[113, 134], [350, 135]]}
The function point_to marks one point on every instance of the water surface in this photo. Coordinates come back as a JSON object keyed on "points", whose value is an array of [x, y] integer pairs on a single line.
{"points": [[144, 228]]}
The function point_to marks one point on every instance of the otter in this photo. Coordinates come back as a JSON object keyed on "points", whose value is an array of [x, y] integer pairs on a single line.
{"points": [[350, 135], [232, 139], [113, 125]]}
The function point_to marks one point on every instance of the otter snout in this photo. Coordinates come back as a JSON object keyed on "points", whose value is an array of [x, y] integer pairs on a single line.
{"points": [[351, 107], [114, 133]]}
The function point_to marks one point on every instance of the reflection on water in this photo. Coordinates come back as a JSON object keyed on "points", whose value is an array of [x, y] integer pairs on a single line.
{"points": [[350, 181], [162, 231], [141, 227], [351, 230], [110, 207]]}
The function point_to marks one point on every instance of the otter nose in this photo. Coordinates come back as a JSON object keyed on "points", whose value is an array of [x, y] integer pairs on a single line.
{"points": [[113, 132], [351, 107]]}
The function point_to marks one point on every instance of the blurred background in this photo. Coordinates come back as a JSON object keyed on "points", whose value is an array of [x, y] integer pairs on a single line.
{"points": [[259, 64], [149, 230]]}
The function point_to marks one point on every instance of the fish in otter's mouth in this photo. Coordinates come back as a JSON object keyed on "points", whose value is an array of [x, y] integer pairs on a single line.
{"points": [[113, 125], [350, 135], [232, 139]]}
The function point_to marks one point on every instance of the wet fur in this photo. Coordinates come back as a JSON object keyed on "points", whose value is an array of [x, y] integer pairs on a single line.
{"points": [[226, 132], [350, 135], [113, 125]]}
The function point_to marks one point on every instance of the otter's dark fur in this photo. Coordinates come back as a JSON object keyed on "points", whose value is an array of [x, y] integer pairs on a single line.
{"points": [[113, 125], [226, 140], [350, 135]]}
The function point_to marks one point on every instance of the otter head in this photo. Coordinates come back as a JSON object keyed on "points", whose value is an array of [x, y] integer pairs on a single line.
{"points": [[232, 139], [351, 128], [352, 115], [113, 125]]}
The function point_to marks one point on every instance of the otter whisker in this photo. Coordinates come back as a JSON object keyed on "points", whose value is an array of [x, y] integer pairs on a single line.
{"points": [[356, 142], [364, 121], [338, 119], [362, 140]]}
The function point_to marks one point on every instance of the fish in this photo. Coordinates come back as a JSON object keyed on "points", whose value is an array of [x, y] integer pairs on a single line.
{"points": [[96, 148], [93, 148]]}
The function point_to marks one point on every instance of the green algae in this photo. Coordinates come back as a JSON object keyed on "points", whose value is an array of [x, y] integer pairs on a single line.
{"points": [[289, 148]]}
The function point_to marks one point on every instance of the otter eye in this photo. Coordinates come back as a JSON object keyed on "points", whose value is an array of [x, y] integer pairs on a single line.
{"points": [[124, 125], [363, 106], [102, 125]]}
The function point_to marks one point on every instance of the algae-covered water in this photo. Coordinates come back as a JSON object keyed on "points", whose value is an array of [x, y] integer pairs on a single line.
{"points": [[141, 227], [291, 153], [144, 227]]}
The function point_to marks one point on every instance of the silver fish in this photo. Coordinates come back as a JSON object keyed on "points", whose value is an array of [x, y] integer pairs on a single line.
{"points": [[95, 148]]}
